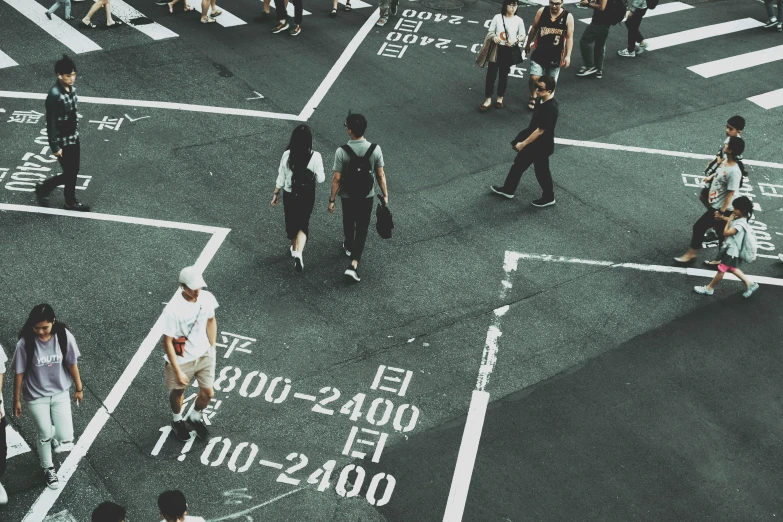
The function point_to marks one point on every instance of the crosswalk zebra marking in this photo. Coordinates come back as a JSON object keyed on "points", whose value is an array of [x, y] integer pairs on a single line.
{"points": [[225, 19], [6, 61], [662, 9], [738, 63], [15, 443], [59, 29], [768, 100], [126, 13], [701, 33]]}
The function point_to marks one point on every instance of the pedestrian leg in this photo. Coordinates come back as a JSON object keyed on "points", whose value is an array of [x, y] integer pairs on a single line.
{"points": [[520, 165], [599, 51], [586, 45], [544, 177], [3, 447], [363, 216], [348, 223], [40, 411], [62, 417]]}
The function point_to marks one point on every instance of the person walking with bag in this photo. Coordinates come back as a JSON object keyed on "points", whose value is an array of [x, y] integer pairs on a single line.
{"points": [[300, 169], [592, 44], [507, 31], [553, 35], [636, 43], [357, 167], [45, 366], [739, 238]]}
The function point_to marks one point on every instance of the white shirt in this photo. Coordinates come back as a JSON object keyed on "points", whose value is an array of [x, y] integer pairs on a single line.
{"points": [[3, 360], [284, 173], [515, 26], [181, 317]]}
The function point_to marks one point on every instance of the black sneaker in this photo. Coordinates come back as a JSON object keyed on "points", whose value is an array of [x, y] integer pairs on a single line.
{"points": [[43, 199], [279, 28], [500, 191], [180, 430], [48, 15], [542, 202], [599, 74], [295, 31], [393, 8], [199, 427], [771, 24], [298, 263], [50, 476], [76, 206], [352, 273], [347, 252]]}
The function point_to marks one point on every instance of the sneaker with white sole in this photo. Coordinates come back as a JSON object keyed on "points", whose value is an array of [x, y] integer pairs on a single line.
{"points": [[348, 252], [381, 22], [599, 74], [500, 191], [295, 31], [625, 53], [50, 476], [749, 292], [180, 430], [703, 290], [298, 262], [352, 273], [198, 426], [291, 249], [3, 496], [279, 28], [63, 447], [543, 202], [640, 48], [586, 71], [771, 23]]}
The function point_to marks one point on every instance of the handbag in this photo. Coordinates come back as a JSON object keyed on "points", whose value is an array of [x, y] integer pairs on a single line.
{"points": [[383, 220], [179, 342], [516, 52]]}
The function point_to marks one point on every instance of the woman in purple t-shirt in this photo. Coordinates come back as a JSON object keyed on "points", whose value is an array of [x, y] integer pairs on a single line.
{"points": [[44, 366]]}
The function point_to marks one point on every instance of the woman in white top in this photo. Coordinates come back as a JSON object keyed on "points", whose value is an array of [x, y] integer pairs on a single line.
{"points": [[508, 30], [300, 168]]}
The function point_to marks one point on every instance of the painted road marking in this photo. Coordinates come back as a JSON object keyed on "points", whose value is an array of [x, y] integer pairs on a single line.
{"points": [[225, 19], [6, 61], [244, 514], [700, 33], [15, 443], [126, 13], [662, 9], [738, 63], [59, 29], [46, 500], [768, 100]]}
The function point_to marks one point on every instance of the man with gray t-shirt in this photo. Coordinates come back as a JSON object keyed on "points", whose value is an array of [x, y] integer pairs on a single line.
{"points": [[357, 209]]}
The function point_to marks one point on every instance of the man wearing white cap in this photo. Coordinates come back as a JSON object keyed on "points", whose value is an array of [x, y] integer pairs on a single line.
{"points": [[189, 337]]}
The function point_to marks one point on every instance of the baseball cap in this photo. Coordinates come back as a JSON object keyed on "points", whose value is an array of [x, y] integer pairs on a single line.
{"points": [[190, 276]]}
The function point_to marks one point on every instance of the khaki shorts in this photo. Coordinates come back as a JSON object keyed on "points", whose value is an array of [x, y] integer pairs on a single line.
{"points": [[203, 369]]}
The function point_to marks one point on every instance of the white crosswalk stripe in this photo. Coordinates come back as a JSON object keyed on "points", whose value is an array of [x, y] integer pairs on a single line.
{"points": [[59, 29], [225, 18], [126, 13], [738, 63], [768, 100], [701, 33], [662, 9], [6, 61]]}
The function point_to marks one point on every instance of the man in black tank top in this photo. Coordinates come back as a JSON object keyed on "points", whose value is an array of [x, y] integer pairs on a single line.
{"points": [[553, 31]]}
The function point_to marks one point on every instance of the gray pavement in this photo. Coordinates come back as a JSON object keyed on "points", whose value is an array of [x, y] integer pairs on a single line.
{"points": [[565, 437]]}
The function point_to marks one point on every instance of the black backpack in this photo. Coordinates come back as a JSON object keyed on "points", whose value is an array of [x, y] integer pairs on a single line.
{"points": [[652, 4], [29, 345], [617, 9], [358, 180], [303, 181]]}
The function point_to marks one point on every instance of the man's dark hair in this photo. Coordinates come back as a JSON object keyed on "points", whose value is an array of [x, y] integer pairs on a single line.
{"points": [[738, 122], [108, 512], [549, 82], [172, 504], [64, 65], [357, 124], [736, 146]]}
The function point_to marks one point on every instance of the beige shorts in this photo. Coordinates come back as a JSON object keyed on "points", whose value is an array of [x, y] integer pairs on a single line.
{"points": [[203, 369]]}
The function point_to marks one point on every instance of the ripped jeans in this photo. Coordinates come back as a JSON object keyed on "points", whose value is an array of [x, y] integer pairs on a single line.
{"points": [[52, 418]]}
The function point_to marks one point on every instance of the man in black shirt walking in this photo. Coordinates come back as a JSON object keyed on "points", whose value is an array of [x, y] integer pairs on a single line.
{"points": [[62, 127], [534, 145]]}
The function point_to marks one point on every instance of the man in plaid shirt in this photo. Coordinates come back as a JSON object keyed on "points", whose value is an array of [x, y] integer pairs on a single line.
{"points": [[62, 130]]}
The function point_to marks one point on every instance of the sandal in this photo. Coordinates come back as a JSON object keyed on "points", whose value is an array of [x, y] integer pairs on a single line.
{"points": [[499, 104], [116, 23], [348, 5], [531, 103], [483, 108], [88, 25], [213, 14], [171, 9], [208, 20], [188, 8], [333, 13]]}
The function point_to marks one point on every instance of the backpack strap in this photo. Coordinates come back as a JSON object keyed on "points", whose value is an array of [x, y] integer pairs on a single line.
{"points": [[347, 148], [62, 340], [369, 152]]}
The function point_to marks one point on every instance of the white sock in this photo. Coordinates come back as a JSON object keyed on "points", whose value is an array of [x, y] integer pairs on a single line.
{"points": [[176, 417], [195, 415]]}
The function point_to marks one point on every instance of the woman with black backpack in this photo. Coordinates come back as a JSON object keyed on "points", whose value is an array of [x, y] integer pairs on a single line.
{"points": [[300, 169], [45, 366]]}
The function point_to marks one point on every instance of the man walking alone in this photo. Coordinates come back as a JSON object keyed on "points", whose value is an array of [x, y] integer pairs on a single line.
{"points": [[534, 145]]}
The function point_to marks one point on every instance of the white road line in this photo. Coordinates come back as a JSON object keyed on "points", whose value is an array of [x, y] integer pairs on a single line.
{"points": [[662, 9], [244, 513], [738, 63], [46, 500], [270, 464], [225, 19], [700, 33], [159, 105], [338, 67], [126, 13], [768, 100], [674, 153], [6, 61], [15, 443], [356, 4], [514, 257], [59, 29]]}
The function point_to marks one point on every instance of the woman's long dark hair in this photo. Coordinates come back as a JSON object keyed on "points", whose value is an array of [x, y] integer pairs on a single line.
{"points": [[39, 313], [300, 147], [504, 5]]}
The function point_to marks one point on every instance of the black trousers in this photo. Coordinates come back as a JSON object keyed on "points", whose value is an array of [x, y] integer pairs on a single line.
{"points": [[633, 23], [3, 447], [540, 162], [69, 161], [502, 66], [704, 223], [298, 11], [282, 13], [356, 221], [297, 211]]}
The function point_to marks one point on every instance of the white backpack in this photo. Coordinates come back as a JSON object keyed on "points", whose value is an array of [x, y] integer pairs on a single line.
{"points": [[748, 250]]}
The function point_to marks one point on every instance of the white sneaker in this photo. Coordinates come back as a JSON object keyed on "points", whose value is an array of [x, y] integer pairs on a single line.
{"points": [[348, 252], [640, 48], [3, 496], [625, 54], [298, 262], [703, 290], [352, 273], [63, 447], [749, 292], [291, 249]]}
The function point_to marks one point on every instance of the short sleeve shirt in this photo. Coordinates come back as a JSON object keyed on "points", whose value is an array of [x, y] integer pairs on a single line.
{"points": [[183, 318], [48, 375], [3, 360], [545, 117], [342, 159], [727, 179]]}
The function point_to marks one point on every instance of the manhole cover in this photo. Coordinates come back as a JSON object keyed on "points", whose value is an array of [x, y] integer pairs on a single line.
{"points": [[443, 5]]}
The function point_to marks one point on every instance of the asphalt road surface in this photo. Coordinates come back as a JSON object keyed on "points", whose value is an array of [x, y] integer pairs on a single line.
{"points": [[556, 360]]}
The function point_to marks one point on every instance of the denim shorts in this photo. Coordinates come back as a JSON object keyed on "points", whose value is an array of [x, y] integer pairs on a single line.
{"points": [[537, 70]]}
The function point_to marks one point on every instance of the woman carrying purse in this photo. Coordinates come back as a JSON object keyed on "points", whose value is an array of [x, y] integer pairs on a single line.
{"points": [[508, 32]]}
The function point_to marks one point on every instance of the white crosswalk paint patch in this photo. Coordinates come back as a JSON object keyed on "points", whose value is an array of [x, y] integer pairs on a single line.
{"points": [[225, 18], [59, 29], [701, 33], [126, 13], [768, 100], [15, 443], [6, 61], [738, 63], [662, 9]]}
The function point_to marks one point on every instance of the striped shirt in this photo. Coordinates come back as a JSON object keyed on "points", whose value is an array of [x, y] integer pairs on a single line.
{"points": [[61, 119]]}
